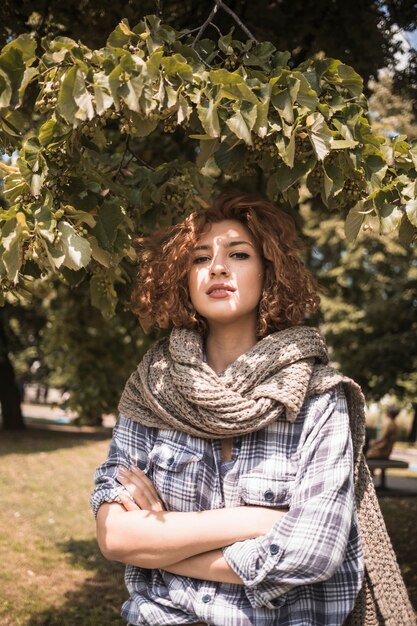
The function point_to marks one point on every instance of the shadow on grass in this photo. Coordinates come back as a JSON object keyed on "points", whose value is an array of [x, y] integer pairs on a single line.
{"points": [[48, 439], [97, 602]]}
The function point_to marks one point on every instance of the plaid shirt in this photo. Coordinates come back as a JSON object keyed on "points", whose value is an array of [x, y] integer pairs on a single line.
{"points": [[306, 571]]}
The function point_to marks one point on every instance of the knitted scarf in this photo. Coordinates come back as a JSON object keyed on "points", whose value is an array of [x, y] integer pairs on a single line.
{"points": [[173, 388]]}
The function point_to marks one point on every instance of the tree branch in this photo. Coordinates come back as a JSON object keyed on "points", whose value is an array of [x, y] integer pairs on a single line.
{"points": [[41, 27], [159, 7], [238, 21], [119, 169], [140, 160], [209, 21], [206, 23]]}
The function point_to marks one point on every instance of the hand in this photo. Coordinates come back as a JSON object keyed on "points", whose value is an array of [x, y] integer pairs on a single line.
{"points": [[140, 488]]}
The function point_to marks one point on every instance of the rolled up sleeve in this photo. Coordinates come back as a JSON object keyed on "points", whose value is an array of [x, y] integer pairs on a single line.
{"points": [[309, 543], [128, 446]]}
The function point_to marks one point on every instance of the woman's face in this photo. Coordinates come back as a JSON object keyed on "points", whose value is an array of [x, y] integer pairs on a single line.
{"points": [[226, 275]]}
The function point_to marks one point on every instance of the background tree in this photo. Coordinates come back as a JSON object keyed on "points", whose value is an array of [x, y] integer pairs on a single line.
{"points": [[390, 113], [362, 34], [95, 177], [369, 309]]}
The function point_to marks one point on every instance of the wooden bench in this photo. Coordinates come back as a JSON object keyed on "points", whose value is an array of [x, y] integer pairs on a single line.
{"points": [[384, 464]]}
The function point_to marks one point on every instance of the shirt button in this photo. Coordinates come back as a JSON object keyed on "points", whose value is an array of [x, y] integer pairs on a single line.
{"points": [[206, 598], [170, 460], [273, 548], [269, 495]]}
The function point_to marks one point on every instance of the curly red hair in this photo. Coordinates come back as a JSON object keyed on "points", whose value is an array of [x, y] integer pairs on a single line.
{"points": [[160, 296]]}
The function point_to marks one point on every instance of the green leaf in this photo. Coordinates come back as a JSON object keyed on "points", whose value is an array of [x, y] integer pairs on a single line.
{"points": [[143, 126], [77, 249], [131, 91], [333, 180], [108, 219], [207, 148], [104, 99], [12, 244], [284, 105], [407, 232], [184, 110], [52, 132], [67, 107], [83, 217], [82, 98], [239, 127], [114, 84], [289, 152], [36, 184], [411, 211], [350, 79], [11, 63], [207, 112], [26, 44], [238, 91], [343, 144], [120, 36], [56, 254], [225, 78], [281, 59], [260, 54], [103, 296], [353, 223], [176, 65], [225, 41], [101, 256], [306, 96], [320, 135], [390, 216], [284, 176], [375, 169], [230, 159], [14, 186], [5, 90]]}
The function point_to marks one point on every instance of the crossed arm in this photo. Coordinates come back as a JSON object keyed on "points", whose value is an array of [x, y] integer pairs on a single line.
{"points": [[140, 532]]}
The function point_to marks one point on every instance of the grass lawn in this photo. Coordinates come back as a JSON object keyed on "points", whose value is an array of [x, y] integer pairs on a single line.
{"points": [[52, 573]]}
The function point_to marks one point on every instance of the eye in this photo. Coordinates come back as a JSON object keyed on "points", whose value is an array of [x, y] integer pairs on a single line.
{"points": [[240, 256], [200, 259]]}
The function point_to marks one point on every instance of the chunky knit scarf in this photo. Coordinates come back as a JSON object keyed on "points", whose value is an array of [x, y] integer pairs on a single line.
{"points": [[173, 388]]}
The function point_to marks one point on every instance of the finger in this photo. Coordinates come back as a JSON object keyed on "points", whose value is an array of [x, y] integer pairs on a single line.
{"points": [[145, 481], [136, 480], [128, 502], [141, 490]]}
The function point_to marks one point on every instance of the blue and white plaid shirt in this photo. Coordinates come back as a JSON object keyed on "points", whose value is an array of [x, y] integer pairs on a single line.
{"points": [[306, 571]]}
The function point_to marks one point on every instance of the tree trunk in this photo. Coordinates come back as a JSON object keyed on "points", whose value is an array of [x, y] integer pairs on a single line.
{"points": [[10, 397], [413, 432]]}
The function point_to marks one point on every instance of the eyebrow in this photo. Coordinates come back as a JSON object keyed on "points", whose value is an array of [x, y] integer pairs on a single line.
{"points": [[229, 244]]}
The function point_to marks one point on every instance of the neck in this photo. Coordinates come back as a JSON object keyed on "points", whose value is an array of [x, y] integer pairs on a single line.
{"points": [[224, 345]]}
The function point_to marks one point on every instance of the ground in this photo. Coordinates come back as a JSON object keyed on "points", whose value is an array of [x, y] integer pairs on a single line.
{"points": [[52, 573]]}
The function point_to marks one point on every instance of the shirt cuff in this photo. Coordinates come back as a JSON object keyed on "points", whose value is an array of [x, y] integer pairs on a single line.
{"points": [[105, 495], [252, 560]]}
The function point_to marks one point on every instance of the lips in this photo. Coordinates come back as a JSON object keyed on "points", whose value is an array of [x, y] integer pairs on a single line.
{"points": [[220, 288]]}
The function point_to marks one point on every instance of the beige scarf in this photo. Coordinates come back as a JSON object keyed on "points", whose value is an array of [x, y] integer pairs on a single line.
{"points": [[173, 388]]}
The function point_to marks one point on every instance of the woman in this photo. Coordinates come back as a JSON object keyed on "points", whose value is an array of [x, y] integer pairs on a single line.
{"points": [[229, 488]]}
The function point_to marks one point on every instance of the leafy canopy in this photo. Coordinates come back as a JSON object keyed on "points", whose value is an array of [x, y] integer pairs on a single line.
{"points": [[77, 193]]}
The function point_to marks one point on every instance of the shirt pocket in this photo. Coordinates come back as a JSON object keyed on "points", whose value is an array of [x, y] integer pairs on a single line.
{"points": [[265, 490], [175, 474]]}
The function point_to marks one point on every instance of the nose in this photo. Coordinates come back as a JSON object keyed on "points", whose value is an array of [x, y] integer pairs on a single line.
{"points": [[218, 267]]}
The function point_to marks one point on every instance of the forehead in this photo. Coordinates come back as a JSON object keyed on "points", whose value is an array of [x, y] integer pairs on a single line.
{"points": [[225, 231]]}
